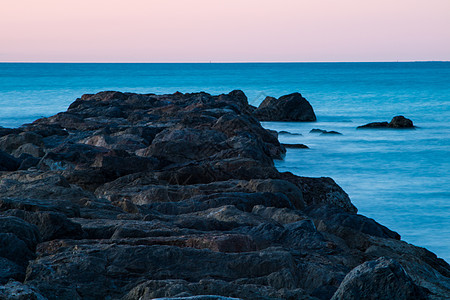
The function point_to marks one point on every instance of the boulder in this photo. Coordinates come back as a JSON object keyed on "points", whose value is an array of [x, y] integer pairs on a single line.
{"points": [[400, 122], [8, 162], [383, 278], [292, 107]]}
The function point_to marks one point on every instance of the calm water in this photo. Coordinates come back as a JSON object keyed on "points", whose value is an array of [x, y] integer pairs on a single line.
{"points": [[400, 178]]}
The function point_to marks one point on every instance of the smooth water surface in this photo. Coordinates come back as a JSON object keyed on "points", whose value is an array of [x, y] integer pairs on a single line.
{"points": [[401, 178]]}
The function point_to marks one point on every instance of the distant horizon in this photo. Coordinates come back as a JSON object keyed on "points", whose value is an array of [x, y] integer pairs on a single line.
{"points": [[219, 62]]}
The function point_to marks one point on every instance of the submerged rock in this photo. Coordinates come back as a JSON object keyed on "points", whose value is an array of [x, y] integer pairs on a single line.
{"points": [[324, 132]]}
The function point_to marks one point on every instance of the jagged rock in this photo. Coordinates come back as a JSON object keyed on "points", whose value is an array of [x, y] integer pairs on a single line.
{"points": [[380, 279], [11, 142], [292, 107], [143, 196], [51, 225]]}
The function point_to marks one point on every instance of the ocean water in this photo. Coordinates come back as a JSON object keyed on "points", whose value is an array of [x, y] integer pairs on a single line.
{"points": [[401, 178]]}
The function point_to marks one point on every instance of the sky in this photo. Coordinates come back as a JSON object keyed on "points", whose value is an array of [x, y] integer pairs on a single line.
{"points": [[224, 31]]}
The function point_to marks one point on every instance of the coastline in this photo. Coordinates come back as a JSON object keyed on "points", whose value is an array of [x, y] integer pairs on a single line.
{"points": [[191, 178]]}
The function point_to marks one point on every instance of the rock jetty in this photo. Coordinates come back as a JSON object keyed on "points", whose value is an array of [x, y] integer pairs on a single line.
{"points": [[142, 196]]}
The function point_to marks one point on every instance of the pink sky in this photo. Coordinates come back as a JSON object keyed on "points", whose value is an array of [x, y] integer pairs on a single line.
{"points": [[231, 30]]}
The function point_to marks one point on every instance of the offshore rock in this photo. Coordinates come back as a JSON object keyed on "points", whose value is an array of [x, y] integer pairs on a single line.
{"points": [[398, 122], [292, 107]]}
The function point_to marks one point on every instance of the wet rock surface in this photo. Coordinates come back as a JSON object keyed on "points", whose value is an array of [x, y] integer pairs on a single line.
{"points": [[143, 196]]}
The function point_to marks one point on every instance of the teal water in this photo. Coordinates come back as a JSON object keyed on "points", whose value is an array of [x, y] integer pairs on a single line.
{"points": [[401, 178]]}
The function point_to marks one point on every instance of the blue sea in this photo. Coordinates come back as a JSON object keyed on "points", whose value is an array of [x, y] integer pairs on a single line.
{"points": [[401, 178]]}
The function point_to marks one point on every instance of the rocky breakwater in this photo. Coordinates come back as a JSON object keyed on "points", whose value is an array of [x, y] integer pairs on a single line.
{"points": [[131, 196]]}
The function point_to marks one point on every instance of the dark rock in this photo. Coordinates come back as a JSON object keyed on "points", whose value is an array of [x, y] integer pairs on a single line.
{"points": [[321, 191], [400, 122], [28, 162], [15, 290], [396, 122], [15, 249], [330, 132], [11, 142], [10, 270], [324, 132], [383, 278], [22, 230], [292, 107], [288, 133], [295, 146], [51, 225], [317, 130], [8, 162], [375, 125], [142, 196]]}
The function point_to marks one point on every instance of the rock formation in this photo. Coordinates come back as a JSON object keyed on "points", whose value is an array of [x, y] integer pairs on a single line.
{"points": [[141, 196], [398, 122], [292, 107]]}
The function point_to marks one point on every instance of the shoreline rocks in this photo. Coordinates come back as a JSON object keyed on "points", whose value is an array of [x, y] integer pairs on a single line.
{"points": [[130, 196]]}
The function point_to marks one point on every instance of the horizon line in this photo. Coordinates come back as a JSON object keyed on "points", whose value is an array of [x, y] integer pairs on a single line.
{"points": [[217, 62]]}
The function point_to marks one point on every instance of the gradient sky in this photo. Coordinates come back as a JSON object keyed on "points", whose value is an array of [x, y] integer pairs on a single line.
{"points": [[231, 30]]}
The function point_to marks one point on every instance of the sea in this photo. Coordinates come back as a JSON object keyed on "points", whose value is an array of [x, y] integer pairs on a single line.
{"points": [[400, 178]]}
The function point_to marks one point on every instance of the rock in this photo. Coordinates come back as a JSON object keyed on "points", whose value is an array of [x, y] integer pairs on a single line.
{"points": [[29, 149], [22, 230], [292, 107], [317, 130], [11, 142], [324, 132], [375, 125], [383, 278], [295, 146], [10, 270], [288, 133], [14, 249], [281, 215], [321, 191], [396, 122], [400, 122], [8, 162], [51, 225], [204, 297], [172, 288], [15, 290], [140, 196], [331, 132]]}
